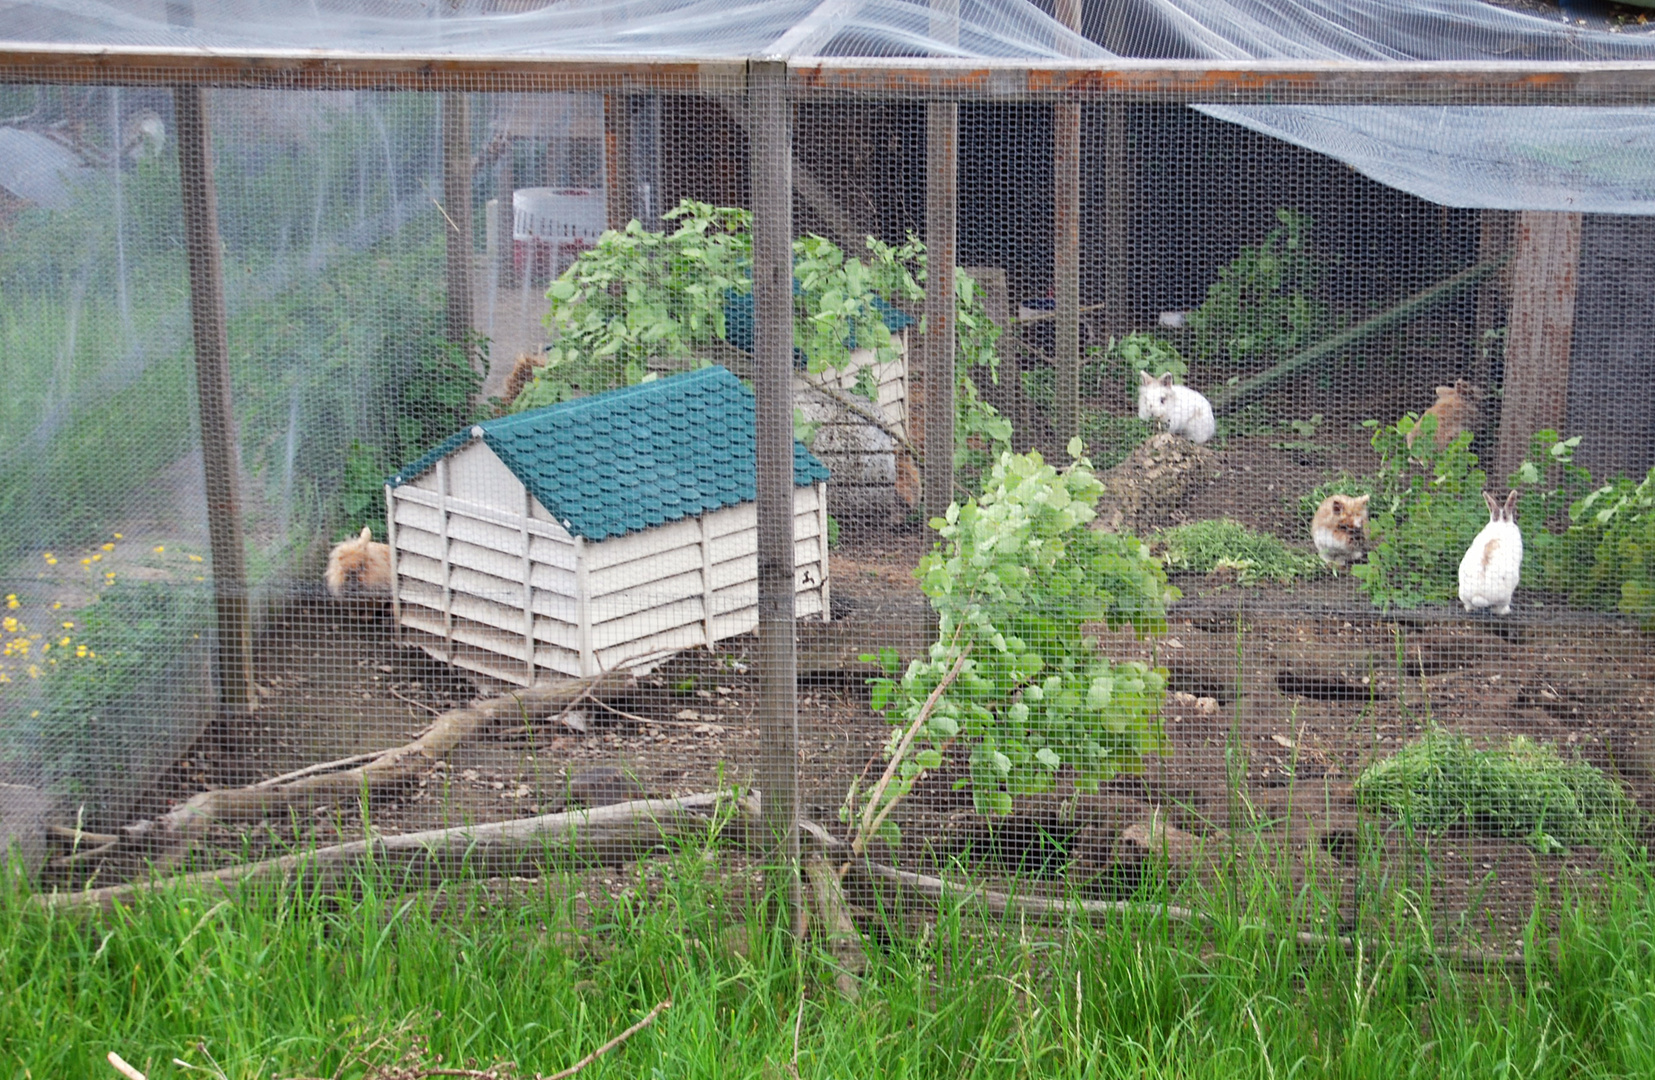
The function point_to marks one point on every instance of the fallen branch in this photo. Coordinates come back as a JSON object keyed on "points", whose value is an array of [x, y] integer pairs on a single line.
{"points": [[123, 1068], [411, 701], [604, 832], [389, 769], [612, 1043]]}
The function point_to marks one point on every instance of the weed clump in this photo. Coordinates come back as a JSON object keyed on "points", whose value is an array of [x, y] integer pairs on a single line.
{"points": [[1521, 790], [1203, 547]]}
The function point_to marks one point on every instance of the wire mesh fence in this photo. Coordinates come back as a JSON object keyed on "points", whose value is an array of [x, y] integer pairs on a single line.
{"points": [[429, 444]]}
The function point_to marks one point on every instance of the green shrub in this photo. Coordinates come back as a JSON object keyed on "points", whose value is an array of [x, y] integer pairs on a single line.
{"points": [[1260, 308], [1521, 790], [1427, 507], [1607, 556], [640, 301], [1016, 580], [1205, 546]]}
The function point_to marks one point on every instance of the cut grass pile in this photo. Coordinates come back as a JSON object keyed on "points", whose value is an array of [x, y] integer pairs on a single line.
{"points": [[1522, 790], [284, 981], [1203, 547]]}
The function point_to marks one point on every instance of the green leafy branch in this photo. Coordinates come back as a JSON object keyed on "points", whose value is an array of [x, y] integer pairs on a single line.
{"points": [[1017, 580]]}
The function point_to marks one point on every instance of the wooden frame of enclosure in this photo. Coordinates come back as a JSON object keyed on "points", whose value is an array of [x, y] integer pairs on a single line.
{"points": [[769, 84]]}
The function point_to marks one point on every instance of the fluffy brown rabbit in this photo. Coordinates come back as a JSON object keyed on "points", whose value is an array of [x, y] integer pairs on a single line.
{"points": [[359, 568], [1455, 410], [522, 372], [1340, 529]]}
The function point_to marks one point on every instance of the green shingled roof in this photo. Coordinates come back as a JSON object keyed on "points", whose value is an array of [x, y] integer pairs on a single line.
{"points": [[629, 459]]}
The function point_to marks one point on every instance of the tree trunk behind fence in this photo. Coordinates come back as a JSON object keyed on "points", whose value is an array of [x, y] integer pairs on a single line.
{"points": [[456, 171]]}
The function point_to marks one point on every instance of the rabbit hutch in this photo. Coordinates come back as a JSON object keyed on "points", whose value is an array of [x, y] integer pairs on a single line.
{"points": [[596, 534]]}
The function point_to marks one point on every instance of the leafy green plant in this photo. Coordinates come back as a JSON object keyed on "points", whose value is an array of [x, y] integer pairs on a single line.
{"points": [[1427, 507], [1260, 308], [434, 397], [1606, 559], [1017, 579], [1203, 547], [1522, 790], [642, 301]]}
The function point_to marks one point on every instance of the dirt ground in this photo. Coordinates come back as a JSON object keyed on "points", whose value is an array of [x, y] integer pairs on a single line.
{"points": [[1278, 697]]}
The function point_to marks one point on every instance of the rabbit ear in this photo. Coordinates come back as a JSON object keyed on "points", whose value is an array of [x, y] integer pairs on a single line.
{"points": [[1338, 505], [1166, 380], [1511, 507], [367, 534], [1145, 377], [1493, 507]]}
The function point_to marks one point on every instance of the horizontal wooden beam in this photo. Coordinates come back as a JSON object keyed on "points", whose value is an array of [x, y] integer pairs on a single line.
{"points": [[1227, 82], [329, 69], [1277, 82]]}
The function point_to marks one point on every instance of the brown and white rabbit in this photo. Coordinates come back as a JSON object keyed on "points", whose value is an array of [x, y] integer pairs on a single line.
{"points": [[522, 373], [1494, 561], [1340, 529], [1185, 411], [359, 568], [1456, 411]]}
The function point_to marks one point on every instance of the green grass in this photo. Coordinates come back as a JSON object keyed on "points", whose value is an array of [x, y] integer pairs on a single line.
{"points": [[1202, 547], [284, 981], [1521, 789]]}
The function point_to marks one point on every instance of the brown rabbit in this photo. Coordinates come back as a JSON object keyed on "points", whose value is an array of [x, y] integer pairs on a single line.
{"points": [[522, 372], [1455, 410], [1340, 529], [359, 567]]}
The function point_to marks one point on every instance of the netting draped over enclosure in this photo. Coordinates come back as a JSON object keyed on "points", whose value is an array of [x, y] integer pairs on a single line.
{"points": [[987, 443], [1580, 159]]}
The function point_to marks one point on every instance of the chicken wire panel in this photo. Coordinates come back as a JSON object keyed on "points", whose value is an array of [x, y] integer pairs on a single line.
{"points": [[1298, 296], [1320, 314]]}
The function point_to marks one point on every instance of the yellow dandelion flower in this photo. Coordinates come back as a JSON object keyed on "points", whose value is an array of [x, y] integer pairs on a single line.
{"points": [[98, 557], [69, 625], [86, 562], [160, 549], [4, 678], [10, 624], [11, 600], [56, 604], [199, 578], [64, 642], [195, 558], [34, 671], [50, 561], [34, 714], [93, 654], [81, 651], [109, 547], [47, 555]]}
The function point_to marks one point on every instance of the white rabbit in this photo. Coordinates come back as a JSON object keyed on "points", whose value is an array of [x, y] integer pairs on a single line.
{"points": [[1494, 562], [1184, 411]]}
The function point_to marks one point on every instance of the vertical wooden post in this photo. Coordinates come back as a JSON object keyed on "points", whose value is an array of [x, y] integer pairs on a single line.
{"points": [[1540, 332], [1117, 188], [942, 132], [617, 142], [1493, 295], [1066, 251], [456, 175], [771, 162], [505, 213], [233, 662]]}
